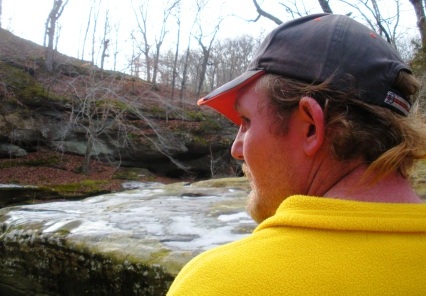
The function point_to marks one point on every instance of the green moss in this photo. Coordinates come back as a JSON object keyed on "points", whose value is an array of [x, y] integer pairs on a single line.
{"points": [[157, 112], [133, 174], [83, 188], [24, 86], [200, 140], [209, 125], [63, 232], [158, 256], [72, 187], [114, 104], [34, 92], [21, 83], [194, 115], [50, 160]]}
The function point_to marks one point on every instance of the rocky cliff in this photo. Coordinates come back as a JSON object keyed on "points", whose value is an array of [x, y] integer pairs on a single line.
{"points": [[110, 116]]}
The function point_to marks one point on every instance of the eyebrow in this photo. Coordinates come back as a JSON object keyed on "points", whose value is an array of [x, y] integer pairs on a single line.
{"points": [[237, 106]]}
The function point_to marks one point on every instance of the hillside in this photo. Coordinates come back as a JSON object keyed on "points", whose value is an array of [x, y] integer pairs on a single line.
{"points": [[50, 121]]}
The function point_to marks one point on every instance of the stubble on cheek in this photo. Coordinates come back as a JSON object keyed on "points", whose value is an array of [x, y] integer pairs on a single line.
{"points": [[259, 204], [253, 205]]}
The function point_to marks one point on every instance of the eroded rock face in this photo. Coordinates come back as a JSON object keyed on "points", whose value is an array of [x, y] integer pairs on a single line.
{"points": [[129, 243], [47, 127]]}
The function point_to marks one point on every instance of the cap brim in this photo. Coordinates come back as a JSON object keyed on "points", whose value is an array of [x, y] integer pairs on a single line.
{"points": [[223, 98]]}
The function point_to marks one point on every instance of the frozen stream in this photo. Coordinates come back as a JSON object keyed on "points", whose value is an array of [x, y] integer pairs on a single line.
{"points": [[159, 227]]}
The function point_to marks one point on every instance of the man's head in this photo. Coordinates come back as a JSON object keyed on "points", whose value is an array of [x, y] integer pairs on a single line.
{"points": [[322, 96], [319, 48]]}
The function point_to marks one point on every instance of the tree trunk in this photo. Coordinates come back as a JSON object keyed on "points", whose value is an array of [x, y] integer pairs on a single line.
{"points": [[155, 66], [51, 22], [85, 33], [175, 62], [1, 4], [105, 41], [421, 22], [95, 24], [206, 55], [87, 156], [184, 78], [104, 54], [325, 6]]}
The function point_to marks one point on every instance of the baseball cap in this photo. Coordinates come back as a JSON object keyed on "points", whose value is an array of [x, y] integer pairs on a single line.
{"points": [[313, 49]]}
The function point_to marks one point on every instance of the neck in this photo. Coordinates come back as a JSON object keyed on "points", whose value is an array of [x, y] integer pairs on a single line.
{"points": [[392, 188]]}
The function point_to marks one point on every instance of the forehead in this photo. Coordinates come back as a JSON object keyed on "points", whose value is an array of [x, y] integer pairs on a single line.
{"points": [[251, 97]]}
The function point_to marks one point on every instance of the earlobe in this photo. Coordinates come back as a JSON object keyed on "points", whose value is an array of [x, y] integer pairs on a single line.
{"points": [[312, 116]]}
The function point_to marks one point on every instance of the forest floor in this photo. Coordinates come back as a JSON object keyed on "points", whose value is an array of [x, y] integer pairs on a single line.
{"points": [[62, 172]]}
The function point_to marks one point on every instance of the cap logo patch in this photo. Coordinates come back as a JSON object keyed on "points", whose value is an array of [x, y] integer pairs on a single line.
{"points": [[398, 102]]}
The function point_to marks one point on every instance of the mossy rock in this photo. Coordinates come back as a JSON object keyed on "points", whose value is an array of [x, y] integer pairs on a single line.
{"points": [[84, 188], [238, 182], [14, 195], [132, 174], [24, 87]]}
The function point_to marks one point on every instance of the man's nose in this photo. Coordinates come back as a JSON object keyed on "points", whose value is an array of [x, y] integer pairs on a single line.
{"points": [[237, 147]]}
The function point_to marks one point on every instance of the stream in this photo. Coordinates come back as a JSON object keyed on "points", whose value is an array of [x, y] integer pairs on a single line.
{"points": [[132, 242]]}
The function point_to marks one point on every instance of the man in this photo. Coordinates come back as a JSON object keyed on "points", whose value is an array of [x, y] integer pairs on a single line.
{"points": [[329, 137]]}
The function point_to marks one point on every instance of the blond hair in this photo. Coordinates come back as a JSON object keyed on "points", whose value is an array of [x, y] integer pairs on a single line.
{"points": [[387, 141]]}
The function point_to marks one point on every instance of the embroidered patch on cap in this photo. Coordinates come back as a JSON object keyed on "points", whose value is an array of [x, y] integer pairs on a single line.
{"points": [[398, 102]]}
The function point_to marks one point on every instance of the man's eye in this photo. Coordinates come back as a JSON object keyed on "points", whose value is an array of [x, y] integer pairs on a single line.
{"points": [[245, 123], [244, 119]]}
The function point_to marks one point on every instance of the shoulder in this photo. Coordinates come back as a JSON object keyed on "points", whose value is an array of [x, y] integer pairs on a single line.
{"points": [[214, 271]]}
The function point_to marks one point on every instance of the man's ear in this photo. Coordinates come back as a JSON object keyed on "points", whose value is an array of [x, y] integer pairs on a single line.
{"points": [[314, 126]]}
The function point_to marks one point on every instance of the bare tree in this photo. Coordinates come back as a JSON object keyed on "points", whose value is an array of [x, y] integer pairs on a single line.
{"points": [[231, 58], [142, 17], [185, 72], [186, 59], [106, 113], [116, 30], [51, 23], [160, 38], [175, 60], [57, 36], [86, 32], [206, 45], [421, 19], [379, 18], [145, 48], [105, 40], [1, 5], [295, 8], [206, 48], [385, 26], [95, 25]]}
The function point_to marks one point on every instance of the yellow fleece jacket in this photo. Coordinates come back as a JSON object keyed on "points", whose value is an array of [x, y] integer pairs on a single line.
{"points": [[318, 246]]}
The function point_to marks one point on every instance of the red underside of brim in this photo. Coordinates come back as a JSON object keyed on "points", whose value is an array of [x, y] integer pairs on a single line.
{"points": [[224, 102]]}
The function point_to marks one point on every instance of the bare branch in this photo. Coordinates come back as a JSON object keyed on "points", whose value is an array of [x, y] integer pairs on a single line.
{"points": [[265, 14], [325, 6]]}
